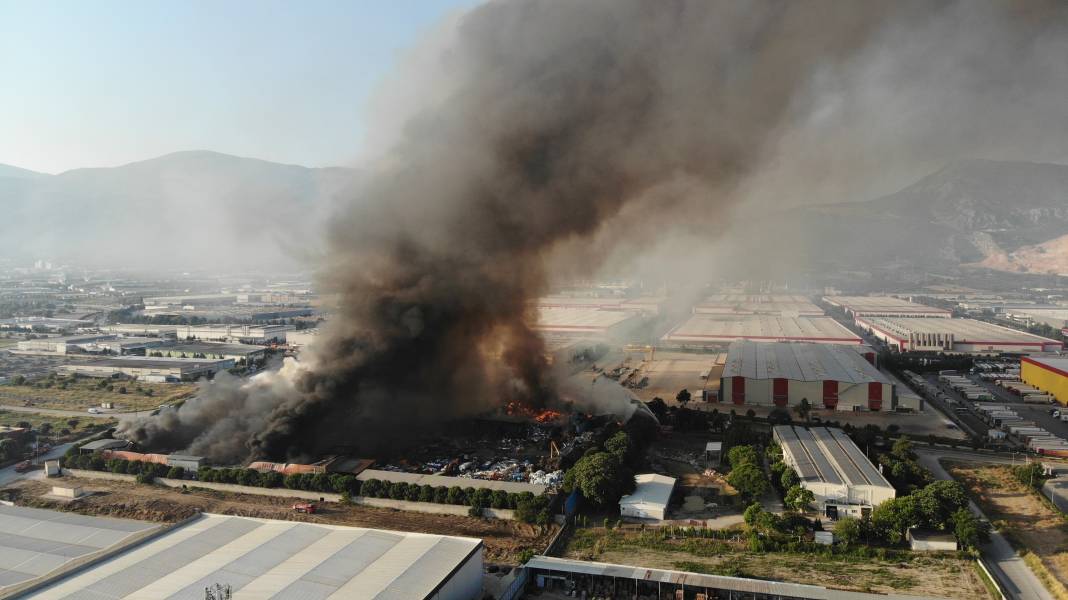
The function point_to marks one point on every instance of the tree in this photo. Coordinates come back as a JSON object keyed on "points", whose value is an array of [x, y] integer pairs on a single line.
{"points": [[619, 445], [971, 531], [600, 477], [9, 449], [683, 397], [1031, 475], [752, 514], [799, 498], [749, 480], [892, 519], [789, 479], [850, 531], [804, 409], [72, 423], [45, 428], [902, 449], [741, 455], [938, 502], [176, 473]]}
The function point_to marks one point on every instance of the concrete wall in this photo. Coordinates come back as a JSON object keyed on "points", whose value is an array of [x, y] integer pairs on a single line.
{"points": [[407, 505]]}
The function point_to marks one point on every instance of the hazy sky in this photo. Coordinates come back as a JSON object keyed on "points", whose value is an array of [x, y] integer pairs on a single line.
{"points": [[104, 83]]}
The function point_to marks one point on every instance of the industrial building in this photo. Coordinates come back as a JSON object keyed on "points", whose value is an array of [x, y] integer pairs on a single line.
{"points": [[1047, 374], [159, 370], [776, 305], [244, 334], [237, 352], [884, 306], [651, 305], [650, 498], [1056, 317], [43, 323], [712, 330], [953, 335], [301, 337], [830, 465], [585, 322], [784, 374], [262, 558], [139, 329], [88, 344], [36, 542]]}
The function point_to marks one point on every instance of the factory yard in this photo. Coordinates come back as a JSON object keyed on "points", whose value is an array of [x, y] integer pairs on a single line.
{"points": [[1024, 519], [504, 540], [83, 393], [671, 372], [918, 575]]}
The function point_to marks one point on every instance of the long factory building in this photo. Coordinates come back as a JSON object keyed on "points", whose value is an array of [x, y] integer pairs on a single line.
{"points": [[585, 322], [703, 330], [783, 374], [830, 465], [884, 306], [647, 304], [954, 335], [758, 304], [160, 370], [1047, 374], [258, 559]]}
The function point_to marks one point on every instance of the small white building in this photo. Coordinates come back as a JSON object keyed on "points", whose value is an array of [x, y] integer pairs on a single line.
{"points": [[650, 498], [925, 540]]}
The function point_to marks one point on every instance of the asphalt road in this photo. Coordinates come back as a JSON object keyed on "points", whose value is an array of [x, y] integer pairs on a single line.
{"points": [[1015, 577], [9, 475]]}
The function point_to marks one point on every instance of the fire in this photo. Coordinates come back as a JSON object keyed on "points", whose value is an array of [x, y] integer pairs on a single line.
{"points": [[546, 415]]}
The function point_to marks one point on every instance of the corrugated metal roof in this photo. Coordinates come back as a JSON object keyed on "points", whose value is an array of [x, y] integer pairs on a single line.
{"points": [[651, 489], [800, 362], [261, 558], [738, 584], [835, 457]]}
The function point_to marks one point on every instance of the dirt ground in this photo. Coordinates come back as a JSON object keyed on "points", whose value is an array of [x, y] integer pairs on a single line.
{"points": [[1025, 519], [83, 393], [702, 492], [943, 577], [504, 540]]}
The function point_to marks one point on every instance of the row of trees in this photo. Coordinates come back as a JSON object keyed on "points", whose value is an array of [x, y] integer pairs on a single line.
{"points": [[528, 507], [746, 474]]}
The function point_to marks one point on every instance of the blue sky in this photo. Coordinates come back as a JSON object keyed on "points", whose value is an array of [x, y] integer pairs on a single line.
{"points": [[104, 83]]}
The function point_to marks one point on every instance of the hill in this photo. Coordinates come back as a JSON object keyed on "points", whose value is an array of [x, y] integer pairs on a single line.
{"points": [[184, 209]]}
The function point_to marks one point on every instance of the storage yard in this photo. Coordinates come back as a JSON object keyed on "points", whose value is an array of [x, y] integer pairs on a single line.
{"points": [[784, 374], [714, 330], [758, 304], [964, 336], [884, 306]]}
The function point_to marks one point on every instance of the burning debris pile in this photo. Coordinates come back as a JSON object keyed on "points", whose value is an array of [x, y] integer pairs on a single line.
{"points": [[552, 129]]}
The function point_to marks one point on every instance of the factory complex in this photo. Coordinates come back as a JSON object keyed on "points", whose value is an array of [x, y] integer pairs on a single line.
{"points": [[832, 467], [783, 374], [758, 304], [244, 334], [702, 330], [586, 322], [649, 305], [87, 344], [884, 306], [917, 334], [220, 350], [1049, 375], [149, 369], [267, 559]]}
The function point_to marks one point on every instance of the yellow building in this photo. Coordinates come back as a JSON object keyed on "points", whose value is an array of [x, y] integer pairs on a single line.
{"points": [[1047, 374]]}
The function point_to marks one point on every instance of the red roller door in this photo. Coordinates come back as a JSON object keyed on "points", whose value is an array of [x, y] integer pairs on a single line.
{"points": [[830, 394], [738, 390], [780, 391], [875, 395]]}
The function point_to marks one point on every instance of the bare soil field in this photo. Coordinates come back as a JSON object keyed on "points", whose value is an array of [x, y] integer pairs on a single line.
{"points": [[920, 575], [1026, 520], [504, 540]]}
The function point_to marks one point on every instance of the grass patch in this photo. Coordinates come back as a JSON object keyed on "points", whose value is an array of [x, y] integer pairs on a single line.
{"points": [[81, 424], [1044, 575], [81, 393]]}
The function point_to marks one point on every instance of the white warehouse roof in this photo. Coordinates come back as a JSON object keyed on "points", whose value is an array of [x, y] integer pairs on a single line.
{"points": [[717, 329], [884, 305], [262, 559], [800, 362], [827, 455], [652, 490]]}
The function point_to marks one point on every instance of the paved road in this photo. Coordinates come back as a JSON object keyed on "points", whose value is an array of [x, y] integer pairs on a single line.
{"points": [[1014, 576], [9, 475]]}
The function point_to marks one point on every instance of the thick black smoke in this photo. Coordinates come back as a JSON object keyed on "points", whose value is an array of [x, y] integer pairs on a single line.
{"points": [[560, 116]]}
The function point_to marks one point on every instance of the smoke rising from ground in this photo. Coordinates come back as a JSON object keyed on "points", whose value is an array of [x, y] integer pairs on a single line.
{"points": [[563, 126]]}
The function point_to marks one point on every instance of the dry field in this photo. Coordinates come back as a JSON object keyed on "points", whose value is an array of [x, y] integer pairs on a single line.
{"points": [[81, 394], [1029, 522], [504, 540], [919, 575]]}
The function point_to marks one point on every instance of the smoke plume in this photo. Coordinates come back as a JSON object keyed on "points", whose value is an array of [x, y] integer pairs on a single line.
{"points": [[546, 124]]}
